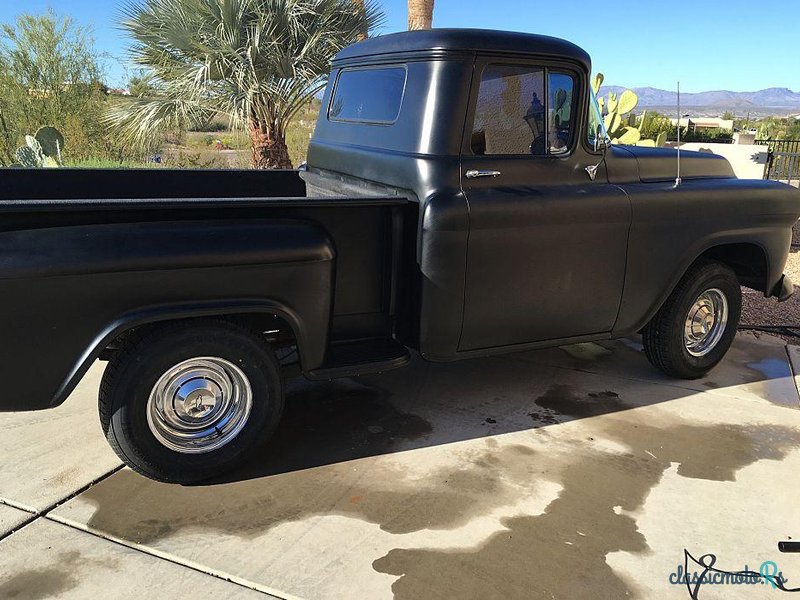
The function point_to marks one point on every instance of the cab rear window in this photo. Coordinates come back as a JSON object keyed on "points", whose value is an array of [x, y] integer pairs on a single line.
{"points": [[371, 95]]}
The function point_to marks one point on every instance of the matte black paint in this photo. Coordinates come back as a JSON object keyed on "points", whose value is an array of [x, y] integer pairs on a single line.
{"points": [[672, 227], [76, 274], [384, 239]]}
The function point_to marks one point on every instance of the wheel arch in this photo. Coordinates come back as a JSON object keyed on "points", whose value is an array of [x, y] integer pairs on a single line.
{"points": [[248, 310], [748, 259]]}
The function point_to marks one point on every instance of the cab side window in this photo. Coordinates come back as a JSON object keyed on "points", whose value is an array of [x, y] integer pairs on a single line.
{"points": [[523, 110], [509, 117]]}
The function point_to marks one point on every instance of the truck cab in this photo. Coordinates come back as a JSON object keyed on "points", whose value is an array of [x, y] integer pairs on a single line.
{"points": [[522, 209]]}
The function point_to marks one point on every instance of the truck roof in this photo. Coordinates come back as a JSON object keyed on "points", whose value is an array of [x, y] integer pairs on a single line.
{"points": [[471, 40]]}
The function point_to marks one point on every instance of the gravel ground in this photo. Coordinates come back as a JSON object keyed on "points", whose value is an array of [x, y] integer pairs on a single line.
{"points": [[758, 310]]}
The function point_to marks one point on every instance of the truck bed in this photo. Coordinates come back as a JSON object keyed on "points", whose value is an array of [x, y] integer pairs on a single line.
{"points": [[77, 245]]}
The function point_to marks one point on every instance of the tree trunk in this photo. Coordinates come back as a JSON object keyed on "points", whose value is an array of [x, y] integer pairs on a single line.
{"points": [[359, 6], [269, 149], [420, 14]]}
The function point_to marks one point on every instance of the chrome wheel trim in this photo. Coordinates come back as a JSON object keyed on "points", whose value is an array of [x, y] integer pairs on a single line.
{"points": [[705, 322], [199, 405]]}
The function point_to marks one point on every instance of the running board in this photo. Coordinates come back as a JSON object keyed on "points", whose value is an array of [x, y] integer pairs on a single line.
{"points": [[360, 357]]}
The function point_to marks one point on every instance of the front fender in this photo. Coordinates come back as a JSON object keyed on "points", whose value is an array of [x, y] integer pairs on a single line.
{"points": [[65, 292], [673, 226]]}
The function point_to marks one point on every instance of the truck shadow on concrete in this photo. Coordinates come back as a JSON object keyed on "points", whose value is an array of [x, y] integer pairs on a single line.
{"points": [[429, 404]]}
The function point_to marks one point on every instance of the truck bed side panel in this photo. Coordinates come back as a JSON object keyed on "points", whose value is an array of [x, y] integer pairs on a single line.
{"points": [[65, 291]]}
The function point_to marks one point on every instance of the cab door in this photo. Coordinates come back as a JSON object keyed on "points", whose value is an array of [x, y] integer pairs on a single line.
{"points": [[547, 243]]}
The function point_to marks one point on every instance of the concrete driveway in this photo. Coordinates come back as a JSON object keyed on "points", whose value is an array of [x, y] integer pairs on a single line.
{"points": [[577, 472]]}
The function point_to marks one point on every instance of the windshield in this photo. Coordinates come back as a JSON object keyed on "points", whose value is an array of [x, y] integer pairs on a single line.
{"points": [[595, 119]]}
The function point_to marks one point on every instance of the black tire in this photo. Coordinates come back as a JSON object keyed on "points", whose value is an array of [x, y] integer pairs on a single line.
{"points": [[663, 336], [133, 371]]}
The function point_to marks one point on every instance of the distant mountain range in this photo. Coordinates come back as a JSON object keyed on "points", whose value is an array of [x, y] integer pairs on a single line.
{"points": [[782, 98]]}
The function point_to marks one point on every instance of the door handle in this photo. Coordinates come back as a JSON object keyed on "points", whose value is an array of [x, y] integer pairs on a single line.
{"points": [[473, 173]]}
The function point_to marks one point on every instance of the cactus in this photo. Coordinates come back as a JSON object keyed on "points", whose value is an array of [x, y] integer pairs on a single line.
{"points": [[627, 102], [630, 136], [26, 157], [34, 145], [51, 141], [597, 81], [618, 118], [41, 150]]}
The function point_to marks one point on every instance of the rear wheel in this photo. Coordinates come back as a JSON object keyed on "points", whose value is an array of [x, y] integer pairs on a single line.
{"points": [[189, 401], [696, 325]]}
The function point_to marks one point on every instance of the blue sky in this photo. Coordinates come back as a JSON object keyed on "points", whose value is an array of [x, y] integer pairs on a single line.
{"points": [[708, 44]]}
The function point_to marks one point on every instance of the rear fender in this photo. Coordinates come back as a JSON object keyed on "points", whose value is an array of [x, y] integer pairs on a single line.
{"points": [[66, 293], [163, 314]]}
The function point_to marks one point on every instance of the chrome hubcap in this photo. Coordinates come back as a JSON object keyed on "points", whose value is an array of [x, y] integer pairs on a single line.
{"points": [[199, 405], [705, 323]]}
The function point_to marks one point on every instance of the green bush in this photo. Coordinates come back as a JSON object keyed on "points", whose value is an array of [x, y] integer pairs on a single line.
{"points": [[712, 136], [50, 75], [778, 128], [652, 123]]}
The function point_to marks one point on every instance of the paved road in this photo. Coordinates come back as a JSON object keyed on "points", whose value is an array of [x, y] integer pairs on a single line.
{"points": [[577, 472]]}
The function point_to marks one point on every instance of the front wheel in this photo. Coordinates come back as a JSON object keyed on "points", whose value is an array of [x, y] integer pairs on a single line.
{"points": [[694, 328], [189, 401]]}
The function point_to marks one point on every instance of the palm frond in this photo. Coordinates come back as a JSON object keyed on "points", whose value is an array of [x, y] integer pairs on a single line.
{"points": [[252, 60]]}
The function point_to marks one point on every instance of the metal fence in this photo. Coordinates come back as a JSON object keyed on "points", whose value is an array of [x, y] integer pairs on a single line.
{"points": [[784, 166], [783, 160], [781, 145]]}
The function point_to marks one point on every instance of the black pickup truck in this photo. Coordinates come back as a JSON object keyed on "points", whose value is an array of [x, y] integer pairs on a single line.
{"points": [[460, 199]]}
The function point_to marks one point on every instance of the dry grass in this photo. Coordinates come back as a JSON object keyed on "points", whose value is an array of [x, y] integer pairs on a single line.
{"points": [[215, 147], [230, 149]]}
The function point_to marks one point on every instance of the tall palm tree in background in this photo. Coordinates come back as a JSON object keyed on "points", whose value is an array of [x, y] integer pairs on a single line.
{"points": [[420, 14], [364, 33], [256, 61]]}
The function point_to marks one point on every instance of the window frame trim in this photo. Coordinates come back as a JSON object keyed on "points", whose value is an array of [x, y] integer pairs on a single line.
{"points": [[375, 67], [572, 116]]}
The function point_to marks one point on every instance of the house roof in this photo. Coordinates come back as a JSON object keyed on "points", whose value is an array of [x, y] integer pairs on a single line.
{"points": [[470, 40]]}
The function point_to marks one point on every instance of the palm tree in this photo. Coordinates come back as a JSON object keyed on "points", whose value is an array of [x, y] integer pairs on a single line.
{"points": [[420, 14], [256, 61], [364, 33]]}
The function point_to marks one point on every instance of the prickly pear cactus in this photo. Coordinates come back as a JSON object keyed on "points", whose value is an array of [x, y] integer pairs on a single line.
{"points": [[629, 136], [618, 119], [41, 150], [612, 122], [52, 142], [26, 157], [627, 102], [597, 81], [34, 145]]}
